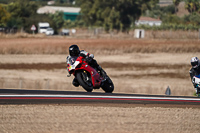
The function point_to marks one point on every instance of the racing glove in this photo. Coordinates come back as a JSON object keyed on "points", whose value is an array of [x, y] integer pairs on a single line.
{"points": [[91, 56]]}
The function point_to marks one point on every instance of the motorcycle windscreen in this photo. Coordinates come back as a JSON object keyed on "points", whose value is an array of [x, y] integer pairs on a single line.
{"points": [[198, 76]]}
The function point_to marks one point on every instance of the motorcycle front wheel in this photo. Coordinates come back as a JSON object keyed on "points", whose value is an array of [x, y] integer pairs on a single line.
{"points": [[108, 85], [85, 81]]}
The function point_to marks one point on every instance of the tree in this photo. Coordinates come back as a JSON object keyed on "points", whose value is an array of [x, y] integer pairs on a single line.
{"points": [[160, 12], [22, 8], [57, 19], [193, 19], [112, 14], [21, 11], [4, 16], [112, 21], [176, 3], [192, 5]]}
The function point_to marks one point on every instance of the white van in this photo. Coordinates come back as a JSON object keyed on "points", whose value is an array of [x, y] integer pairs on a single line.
{"points": [[42, 27]]}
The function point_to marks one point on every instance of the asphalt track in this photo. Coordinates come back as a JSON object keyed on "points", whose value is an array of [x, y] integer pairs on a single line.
{"points": [[19, 96]]}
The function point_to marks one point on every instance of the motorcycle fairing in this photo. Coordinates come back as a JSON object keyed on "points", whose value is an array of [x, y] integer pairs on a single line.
{"points": [[95, 76], [96, 81], [196, 79]]}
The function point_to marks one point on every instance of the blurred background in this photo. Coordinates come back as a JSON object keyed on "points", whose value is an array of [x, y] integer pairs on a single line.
{"points": [[98, 16], [145, 46]]}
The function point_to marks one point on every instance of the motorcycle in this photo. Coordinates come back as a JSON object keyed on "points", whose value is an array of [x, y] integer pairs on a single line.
{"points": [[196, 83], [88, 77]]}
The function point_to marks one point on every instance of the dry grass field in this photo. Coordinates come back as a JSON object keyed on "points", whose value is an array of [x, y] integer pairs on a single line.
{"points": [[59, 45], [136, 66]]}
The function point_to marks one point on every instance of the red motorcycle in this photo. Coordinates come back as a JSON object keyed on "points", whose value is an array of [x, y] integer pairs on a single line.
{"points": [[88, 77]]}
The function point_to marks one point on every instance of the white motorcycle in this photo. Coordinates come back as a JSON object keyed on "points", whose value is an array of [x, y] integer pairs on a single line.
{"points": [[196, 83]]}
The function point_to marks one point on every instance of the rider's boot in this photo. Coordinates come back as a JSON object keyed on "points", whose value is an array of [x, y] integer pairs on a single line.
{"points": [[197, 92], [75, 82]]}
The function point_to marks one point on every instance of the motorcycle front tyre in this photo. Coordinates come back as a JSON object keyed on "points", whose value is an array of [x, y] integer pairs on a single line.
{"points": [[108, 85], [87, 87]]}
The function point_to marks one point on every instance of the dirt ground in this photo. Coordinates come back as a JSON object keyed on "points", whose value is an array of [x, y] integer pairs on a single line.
{"points": [[97, 119], [147, 73], [137, 66]]}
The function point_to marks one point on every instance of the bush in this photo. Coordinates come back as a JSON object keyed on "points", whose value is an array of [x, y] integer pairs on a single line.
{"points": [[170, 27], [192, 19]]}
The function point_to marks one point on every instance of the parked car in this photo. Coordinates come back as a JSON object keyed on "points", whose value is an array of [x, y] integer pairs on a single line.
{"points": [[49, 31]]}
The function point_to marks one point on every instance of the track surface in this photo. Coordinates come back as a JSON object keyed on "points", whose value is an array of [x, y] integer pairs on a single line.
{"points": [[14, 96]]}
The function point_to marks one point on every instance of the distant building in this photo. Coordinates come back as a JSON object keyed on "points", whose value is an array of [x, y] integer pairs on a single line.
{"points": [[165, 2], [70, 13], [148, 21], [50, 2]]}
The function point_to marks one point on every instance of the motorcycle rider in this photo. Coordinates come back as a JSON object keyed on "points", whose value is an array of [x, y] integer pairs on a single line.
{"points": [[74, 53], [194, 71]]}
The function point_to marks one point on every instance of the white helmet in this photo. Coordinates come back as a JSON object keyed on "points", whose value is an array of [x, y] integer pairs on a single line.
{"points": [[195, 62]]}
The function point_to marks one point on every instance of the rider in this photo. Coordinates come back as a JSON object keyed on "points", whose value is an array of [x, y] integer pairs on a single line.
{"points": [[74, 53], [195, 70]]}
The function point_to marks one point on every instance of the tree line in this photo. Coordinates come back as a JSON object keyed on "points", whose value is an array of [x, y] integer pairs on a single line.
{"points": [[170, 19], [119, 15]]}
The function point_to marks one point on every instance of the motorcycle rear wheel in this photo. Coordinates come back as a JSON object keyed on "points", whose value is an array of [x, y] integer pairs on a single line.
{"points": [[86, 84], [108, 85]]}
